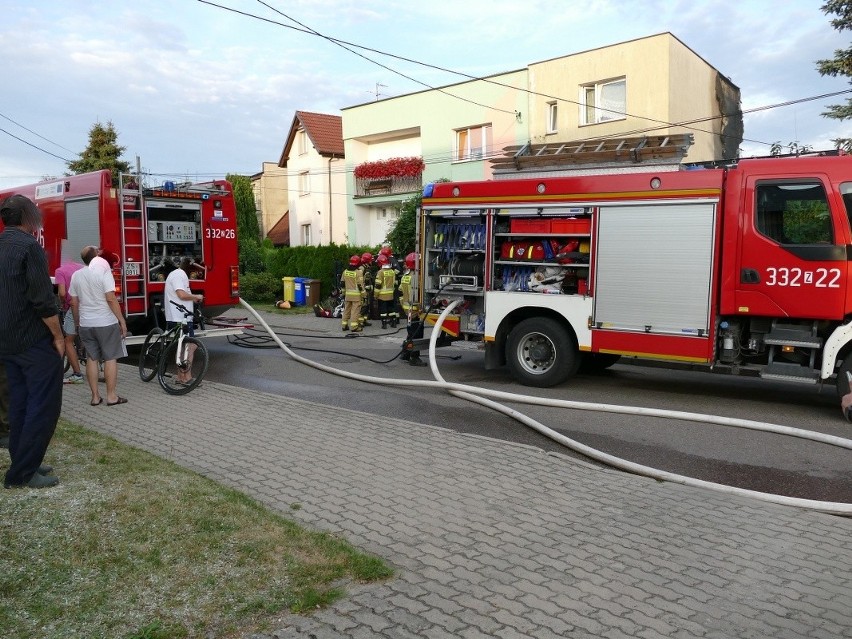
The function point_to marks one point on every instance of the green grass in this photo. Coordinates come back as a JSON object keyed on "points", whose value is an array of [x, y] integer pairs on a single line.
{"points": [[131, 546]]}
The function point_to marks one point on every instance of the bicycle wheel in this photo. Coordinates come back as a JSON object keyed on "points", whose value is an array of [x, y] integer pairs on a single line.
{"points": [[191, 365], [149, 358]]}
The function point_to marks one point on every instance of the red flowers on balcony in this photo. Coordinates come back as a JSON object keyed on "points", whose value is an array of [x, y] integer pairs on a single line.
{"points": [[390, 168]]}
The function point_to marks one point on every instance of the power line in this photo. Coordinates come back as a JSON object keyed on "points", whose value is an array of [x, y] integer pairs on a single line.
{"points": [[407, 77], [6, 117], [346, 45], [34, 146]]}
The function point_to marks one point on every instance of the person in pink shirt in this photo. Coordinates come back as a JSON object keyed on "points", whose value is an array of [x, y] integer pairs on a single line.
{"points": [[62, 277]]}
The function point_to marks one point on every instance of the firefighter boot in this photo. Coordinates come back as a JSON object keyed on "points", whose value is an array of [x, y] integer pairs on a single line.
{"points": [[345, 327], [414, 359]]}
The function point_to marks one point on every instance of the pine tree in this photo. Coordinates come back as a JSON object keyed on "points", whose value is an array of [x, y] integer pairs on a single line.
{"points": [[103, 152], [839, 65]]}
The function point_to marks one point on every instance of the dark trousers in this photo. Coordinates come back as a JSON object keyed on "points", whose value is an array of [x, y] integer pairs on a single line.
{"points": [[35, 401]]}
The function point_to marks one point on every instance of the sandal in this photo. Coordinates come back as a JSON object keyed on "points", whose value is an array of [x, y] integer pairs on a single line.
{"points": [[97, 403], [121, 400]]}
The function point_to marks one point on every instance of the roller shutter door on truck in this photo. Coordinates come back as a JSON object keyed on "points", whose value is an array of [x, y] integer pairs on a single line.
{"points": [[653, 268]]}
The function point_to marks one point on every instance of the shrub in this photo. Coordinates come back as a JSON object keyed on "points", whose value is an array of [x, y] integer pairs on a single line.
{"points": [[261, 287]]}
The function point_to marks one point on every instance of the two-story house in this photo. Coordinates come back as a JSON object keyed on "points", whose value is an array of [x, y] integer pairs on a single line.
{"points": [[649, 99], [652, 101], [316, 175]]}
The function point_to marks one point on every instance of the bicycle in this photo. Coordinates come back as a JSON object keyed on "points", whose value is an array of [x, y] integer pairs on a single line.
{"points": [[173, 354]]}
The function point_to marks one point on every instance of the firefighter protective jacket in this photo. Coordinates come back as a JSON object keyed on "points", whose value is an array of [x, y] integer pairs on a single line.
{"points": [[385, 282], [353, 283]]}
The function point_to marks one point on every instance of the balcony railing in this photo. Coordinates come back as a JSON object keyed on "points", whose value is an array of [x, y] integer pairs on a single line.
{"points": [[367, 187]]}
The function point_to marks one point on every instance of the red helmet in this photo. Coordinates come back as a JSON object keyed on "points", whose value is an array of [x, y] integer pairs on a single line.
{"points": [[367, 258], [382, 259], [354, 260], [386, 251], [411, 260]]}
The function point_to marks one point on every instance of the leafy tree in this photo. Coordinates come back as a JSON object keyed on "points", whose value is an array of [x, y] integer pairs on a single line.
{"points": [[248, 230], [794, 148], [402, 236], [839, 65], [103, 152]]}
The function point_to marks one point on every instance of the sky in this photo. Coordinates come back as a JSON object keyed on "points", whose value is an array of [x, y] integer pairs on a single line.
{"points": [[197, 91]]}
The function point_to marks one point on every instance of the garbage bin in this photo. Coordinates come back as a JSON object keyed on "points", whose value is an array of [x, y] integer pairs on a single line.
{"points": [[312, 292], [289, 289], [299, 291]]}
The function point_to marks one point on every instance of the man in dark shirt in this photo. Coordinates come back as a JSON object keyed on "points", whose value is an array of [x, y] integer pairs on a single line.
{"points": [[31, 344]]}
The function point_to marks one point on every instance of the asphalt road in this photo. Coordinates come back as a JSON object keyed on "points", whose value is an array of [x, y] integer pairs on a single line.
{"points": [[749, 459]]}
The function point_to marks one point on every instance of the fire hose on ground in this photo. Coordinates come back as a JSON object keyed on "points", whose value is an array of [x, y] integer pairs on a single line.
{"points": [[480, 396]]}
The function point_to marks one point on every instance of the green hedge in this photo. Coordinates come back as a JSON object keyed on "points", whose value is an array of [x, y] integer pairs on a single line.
{"points": [[261, 287], [313, 262]]}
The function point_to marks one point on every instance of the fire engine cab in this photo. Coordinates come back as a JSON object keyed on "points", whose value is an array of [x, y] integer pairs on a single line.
{"points": [[140, 228], [743, 269]]}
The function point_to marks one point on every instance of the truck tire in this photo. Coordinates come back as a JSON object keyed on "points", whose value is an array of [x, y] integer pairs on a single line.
{"points": [[541, 353], [592, 363]]}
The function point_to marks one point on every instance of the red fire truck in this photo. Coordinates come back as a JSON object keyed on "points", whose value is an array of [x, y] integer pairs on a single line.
{"points": [[143, 227], [743, 269]]}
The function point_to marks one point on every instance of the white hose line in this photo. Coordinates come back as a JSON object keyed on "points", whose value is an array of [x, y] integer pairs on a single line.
{"points": [[623, 464], [473, 393]]}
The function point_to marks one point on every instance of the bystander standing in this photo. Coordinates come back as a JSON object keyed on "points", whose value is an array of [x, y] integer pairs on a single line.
{"points": [[99, 322], [31, 344], [177, 291], [62, 277]]}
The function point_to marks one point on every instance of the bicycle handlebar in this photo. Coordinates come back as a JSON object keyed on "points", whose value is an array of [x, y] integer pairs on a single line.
{"points": [[183, 308]]}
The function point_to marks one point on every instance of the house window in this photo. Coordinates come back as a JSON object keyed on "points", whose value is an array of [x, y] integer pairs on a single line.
{"points": [[303, 183], [381, 214], [301, 141], [603, 101], [306, 235], [473, 143], [551, 117]]}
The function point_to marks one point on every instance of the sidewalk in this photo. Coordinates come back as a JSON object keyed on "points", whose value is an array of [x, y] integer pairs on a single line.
{"points": [[492, 539]]}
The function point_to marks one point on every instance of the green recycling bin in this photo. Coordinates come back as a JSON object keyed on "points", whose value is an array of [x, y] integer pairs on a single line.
{"points": [[289, 288]]}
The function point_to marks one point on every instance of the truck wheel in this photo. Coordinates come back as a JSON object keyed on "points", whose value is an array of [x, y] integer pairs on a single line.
{"points": [[842, 383], [591, 363], [541, 353]]}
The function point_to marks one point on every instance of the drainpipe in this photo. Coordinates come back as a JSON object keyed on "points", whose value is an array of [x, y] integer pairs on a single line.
{"points": [[330, 236]]}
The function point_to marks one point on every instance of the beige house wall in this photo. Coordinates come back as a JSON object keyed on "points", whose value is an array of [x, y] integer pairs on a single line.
{"points": [[270, 195], [666, 82]]}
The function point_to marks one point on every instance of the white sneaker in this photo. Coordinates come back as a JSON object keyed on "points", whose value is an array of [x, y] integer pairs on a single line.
{"points": [[75, 378]]}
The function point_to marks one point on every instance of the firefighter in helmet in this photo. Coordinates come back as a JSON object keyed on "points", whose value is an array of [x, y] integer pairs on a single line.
{"points": [[352, 282], [367, 298], [385, 288], [411, 309]]}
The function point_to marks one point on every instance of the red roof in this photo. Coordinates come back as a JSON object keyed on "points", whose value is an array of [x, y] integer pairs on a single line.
{"points": [[324, 131], [280, 231]]}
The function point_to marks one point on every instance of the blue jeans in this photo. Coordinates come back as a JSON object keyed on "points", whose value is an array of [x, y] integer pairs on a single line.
{"points": [[35, 401]]}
